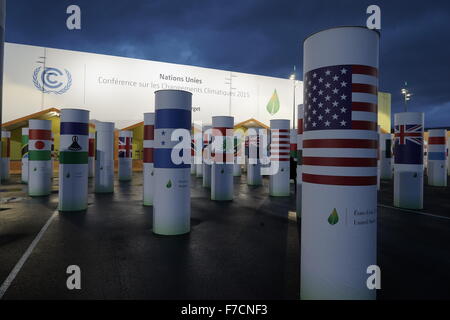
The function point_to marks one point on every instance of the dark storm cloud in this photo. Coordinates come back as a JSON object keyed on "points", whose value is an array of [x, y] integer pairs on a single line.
{"points": [[254, 36]]}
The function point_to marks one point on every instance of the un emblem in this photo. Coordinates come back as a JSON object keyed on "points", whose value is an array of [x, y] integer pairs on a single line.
{"points": [[52, 80]]}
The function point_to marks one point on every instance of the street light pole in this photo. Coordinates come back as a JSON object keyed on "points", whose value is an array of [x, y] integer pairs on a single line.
{"points": [[406, 95], [292, 77]]}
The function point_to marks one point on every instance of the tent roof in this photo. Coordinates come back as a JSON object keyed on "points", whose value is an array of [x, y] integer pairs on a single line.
{"points": [[251, 123], [23, 122]]}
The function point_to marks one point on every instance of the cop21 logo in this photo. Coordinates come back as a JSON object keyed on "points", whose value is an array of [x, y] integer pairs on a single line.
{"points": [[52, 80]]}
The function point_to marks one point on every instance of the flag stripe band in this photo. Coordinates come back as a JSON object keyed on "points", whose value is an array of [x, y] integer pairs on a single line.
{"points": [[364, 88], [36, 134], [36, 155], [340, 162], [436, 155], [436, 140], [75, 128], [149, 132], [66, 157], [340, 143], [364, 125], [300, 126], [222, 131], [339, 180], [173, 119], [360, 69], [91, 148], [148, 155], [163, 159], [364, 106]]}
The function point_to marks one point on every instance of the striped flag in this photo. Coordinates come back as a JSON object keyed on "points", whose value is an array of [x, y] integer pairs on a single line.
{"points": [[341, 98], [280, 145]]}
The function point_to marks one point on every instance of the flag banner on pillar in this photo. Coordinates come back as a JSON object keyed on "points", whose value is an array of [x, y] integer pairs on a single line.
{"points": [[24, 150], [408, 144], [149, 136], [40, 145], [342, 98], [280, 145], [76, 152], [433, 154], [91, 146], [125, 147]]}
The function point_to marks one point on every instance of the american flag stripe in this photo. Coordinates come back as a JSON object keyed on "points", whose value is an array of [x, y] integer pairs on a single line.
{"points": [[149, 132], [364, 97], [341, 171], [366, 70], [364, 88], [339, 181], [362, 78], [340, 143], [364, 106]]}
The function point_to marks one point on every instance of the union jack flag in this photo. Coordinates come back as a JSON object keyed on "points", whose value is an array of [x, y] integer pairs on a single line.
{"points": [[125, 147]]}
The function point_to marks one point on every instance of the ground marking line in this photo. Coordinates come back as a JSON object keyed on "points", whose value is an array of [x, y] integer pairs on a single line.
{"points": [[412, 211], [12, 275]]}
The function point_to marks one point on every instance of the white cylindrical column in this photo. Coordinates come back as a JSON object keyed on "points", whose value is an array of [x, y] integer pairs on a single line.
{"points": [[238, 154], [53, 156], [24, 149], [193, 166], [125, 155], [279, 184], [339, 172], [73, 160], [300, 114], [437, 171], [254, 177], [6, 150], [91, 160], [408, 153], [104, 157], [222, 168], [448, 155], [2, 43], [172, 203], [207, 156], [385, 156], [198, 136], [149, 172], [40, 144]]}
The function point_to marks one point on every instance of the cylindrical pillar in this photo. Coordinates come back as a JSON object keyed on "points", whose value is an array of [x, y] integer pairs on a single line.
{"points": [[198, 136], [104, 157], [437, 171], [385, 156], [339, 172], [207, 155], [91, 160], [24, 149], [73, 160], [125, 155], [149, 174], [40, 164], [237, 142], [222, 168], [53, 156], [448, 155], [408, 153], [300, 114], [2, 43], [279, 183], [172, 203], [254, 177], [193, 166], [6, 150]]}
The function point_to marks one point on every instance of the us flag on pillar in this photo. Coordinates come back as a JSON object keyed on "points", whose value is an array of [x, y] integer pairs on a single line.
{"points": [[344, 99], [125, 147]]}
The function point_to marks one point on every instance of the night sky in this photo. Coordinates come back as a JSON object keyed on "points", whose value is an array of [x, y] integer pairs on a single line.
{"points": [[253, 36]]}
